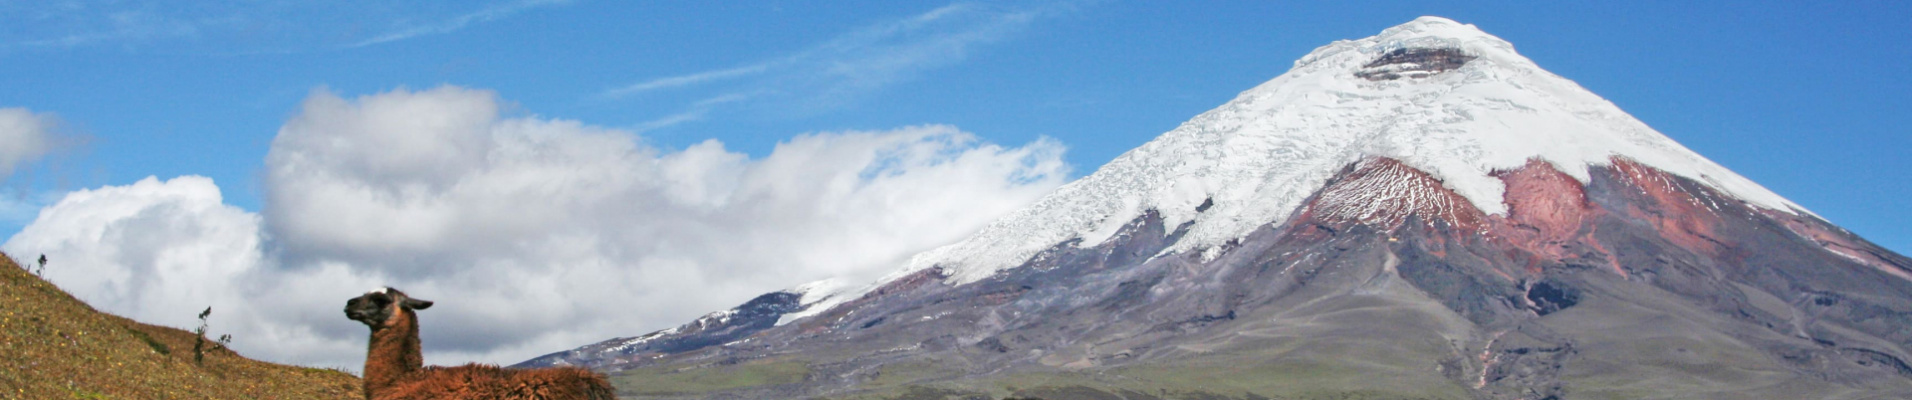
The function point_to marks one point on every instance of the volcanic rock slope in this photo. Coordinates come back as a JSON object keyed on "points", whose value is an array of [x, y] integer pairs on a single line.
{"points": [[1419, 214]]}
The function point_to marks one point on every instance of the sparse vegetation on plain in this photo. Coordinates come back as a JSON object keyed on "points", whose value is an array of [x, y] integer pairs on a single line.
{"points": [[662, 381]]}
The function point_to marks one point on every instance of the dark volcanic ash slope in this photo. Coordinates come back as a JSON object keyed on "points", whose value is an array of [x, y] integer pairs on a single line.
{"points": [[1645, 273]]}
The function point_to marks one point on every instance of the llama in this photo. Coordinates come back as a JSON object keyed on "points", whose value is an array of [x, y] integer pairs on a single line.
{"points": [[394, 368]]}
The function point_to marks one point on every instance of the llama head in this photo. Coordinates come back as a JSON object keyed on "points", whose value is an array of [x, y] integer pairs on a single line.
{"points": [[376, 308]]}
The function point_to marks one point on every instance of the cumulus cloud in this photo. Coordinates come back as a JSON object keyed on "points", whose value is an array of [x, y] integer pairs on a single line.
{"points": [[24, 137], [534, 235], [155, 250]]}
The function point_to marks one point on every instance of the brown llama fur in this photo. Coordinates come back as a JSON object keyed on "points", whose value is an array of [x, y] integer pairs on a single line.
{"points": [[394, 367]]}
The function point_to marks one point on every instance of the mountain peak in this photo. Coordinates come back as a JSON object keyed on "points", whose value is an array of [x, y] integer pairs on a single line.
{"points": [[1424, 33], [1438, 27], [1434, 94]]}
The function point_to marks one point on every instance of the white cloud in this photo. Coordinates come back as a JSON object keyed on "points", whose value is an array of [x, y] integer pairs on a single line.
{"points": [[534, 235], [24, 137], [157, 251]]}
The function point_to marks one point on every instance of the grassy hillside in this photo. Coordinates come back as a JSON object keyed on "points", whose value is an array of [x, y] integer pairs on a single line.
{"points": [[52, 346]]}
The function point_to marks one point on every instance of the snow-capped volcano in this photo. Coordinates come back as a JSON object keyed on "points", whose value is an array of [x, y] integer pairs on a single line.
{"points": [[1255, 159], [1424, 206]]}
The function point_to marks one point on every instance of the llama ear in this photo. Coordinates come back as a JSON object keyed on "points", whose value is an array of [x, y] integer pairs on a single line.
{"points": [[417, 304]]}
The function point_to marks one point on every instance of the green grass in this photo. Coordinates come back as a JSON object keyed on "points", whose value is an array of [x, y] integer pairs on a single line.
{"points": [[914, 380], [86, 395], [902, 374], [1207, 377], [658, 381]]}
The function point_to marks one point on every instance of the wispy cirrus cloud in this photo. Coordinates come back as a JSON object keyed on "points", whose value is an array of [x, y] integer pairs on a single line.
{"points": [[695, 112], [240, 26], [686, 80], [838, 71], [72, 25], [487, 14]]}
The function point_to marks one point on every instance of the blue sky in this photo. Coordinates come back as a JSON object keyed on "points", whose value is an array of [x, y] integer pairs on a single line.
{"points": [[1808, 99]]}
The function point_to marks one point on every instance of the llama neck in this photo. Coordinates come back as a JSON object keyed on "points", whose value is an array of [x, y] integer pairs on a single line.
{"points": [[394, 353]]}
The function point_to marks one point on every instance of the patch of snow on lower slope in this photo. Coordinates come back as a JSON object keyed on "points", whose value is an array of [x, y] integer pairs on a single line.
{"points": [[815, 297]]}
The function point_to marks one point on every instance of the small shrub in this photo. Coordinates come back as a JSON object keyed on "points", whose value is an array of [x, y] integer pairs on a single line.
{"points": [[200, 345]]}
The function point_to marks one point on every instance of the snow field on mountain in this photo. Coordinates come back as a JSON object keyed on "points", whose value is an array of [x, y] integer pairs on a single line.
{"points": [[1259, 156]]}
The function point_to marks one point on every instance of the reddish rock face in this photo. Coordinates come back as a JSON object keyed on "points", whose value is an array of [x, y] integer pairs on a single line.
{"points": [[1383, 192], [1677, 212], [1547, 211], [1549, 215], [1544, 205]]}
